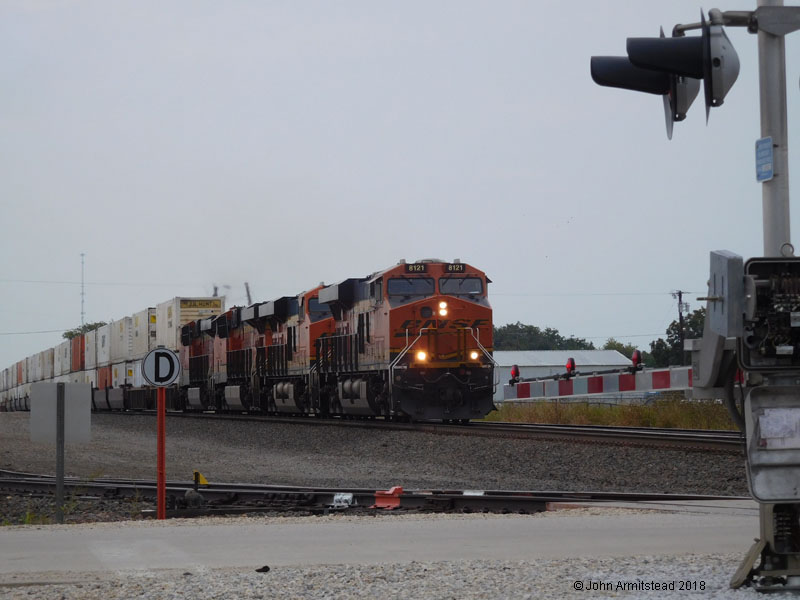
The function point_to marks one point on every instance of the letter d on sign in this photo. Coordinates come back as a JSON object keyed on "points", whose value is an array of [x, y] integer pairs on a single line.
{"points": [[161, 358], [161, 367]]}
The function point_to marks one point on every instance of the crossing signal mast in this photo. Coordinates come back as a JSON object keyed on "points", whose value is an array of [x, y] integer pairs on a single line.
{"points": [[753, 311]]}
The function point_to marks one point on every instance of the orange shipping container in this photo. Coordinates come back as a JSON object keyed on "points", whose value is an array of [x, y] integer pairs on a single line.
{"points": [[103, 377], [78, 353]]}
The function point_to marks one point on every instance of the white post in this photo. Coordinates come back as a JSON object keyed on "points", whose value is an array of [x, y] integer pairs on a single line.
{"points": [[772, 87]]}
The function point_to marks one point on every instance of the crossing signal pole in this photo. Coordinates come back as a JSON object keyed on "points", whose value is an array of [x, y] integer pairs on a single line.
{"points": [[753, 312]]}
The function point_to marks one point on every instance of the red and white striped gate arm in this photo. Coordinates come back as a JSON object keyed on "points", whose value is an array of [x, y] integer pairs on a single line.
{"points": [[650, 380]]}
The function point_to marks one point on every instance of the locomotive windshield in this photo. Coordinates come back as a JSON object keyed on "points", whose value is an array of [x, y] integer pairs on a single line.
{"points": [[460, 286], [410, 286], [317, 310]]}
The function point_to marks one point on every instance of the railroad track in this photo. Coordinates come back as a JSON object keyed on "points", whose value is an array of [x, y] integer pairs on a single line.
{"points": [[692, 439], [232, 498]]}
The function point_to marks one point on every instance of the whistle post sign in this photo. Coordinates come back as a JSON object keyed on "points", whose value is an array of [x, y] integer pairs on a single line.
{"points": [[161, 367]]}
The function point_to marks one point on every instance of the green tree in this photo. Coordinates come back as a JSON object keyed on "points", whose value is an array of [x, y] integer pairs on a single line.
{"points": [[670, 352], [625, 349], [71, 333], [518, 336]]}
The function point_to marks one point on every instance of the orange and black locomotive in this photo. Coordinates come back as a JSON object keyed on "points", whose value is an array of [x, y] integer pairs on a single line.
{"points": [[413, 341]]}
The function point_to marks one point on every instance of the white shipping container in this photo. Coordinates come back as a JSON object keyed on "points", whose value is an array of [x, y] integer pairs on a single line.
{"points": [[30, 368], [103, 345], [76, 377], [90, 350], [121, 374], [173, 314], [4, 380], [135, 370], [24, 364], [115, 374], [121, 339], [144, 332], [62, 362], [47, 363], [90, 377]]}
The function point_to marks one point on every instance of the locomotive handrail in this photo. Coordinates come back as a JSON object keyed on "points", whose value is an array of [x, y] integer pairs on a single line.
{"points": [[400, 356], [496, 372]]}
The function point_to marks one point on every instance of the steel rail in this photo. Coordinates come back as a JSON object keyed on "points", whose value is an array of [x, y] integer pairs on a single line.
{"points": [[243, 498], [689, 439]]}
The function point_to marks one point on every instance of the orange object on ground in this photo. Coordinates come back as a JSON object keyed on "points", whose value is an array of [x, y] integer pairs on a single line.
{"points": [[388, 499]]}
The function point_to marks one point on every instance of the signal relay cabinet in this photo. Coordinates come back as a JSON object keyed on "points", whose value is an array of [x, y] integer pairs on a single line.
{"points": [[758, 305]]}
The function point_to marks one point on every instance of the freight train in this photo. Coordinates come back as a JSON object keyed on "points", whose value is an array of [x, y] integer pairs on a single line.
{"points": [[411, 342]]}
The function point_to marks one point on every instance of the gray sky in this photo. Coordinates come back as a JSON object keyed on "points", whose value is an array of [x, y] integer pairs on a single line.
{"points": [[186, 144]]}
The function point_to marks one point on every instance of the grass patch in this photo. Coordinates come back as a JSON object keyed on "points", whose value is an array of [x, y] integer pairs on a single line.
{"points": [[675, 413]]}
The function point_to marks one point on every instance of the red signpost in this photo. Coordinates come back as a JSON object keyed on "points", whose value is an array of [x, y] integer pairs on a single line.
{"points": [[161, 367], [162, 454]]}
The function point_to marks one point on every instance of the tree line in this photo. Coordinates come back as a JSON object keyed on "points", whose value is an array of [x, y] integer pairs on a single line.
{"points": [[664, 352]]}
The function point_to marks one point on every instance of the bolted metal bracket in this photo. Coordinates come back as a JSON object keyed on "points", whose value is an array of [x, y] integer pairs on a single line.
{"points": [[775, 20]]}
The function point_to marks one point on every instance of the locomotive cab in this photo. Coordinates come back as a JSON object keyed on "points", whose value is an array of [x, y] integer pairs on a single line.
{"points": [[442, 365], [413, 341]]}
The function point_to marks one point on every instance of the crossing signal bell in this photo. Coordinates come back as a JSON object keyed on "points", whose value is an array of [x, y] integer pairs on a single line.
{"points": [[673, 67]]}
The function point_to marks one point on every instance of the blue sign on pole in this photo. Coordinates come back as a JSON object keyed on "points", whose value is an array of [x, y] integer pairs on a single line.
{"points": [[764, 170]]}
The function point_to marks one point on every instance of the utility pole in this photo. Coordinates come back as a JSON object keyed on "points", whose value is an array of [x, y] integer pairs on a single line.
{"points": [[83, 293], [682, 307]]}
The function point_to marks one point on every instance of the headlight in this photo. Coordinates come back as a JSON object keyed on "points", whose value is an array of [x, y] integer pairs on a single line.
{"points": [[474, 355], [442, 304], [443, 312], [422, 356]]}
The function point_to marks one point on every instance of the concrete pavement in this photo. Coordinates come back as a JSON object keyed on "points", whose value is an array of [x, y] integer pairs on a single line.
{"points": [[366, 540]]}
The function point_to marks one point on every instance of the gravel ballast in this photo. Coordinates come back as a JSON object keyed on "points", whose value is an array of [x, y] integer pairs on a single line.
{"points": [[329, 456], [485, 579]]}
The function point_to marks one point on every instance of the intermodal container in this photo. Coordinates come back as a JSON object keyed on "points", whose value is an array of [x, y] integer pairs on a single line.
{"points": [[121, 339], [121, 374], [103, 345], [22, 372], [62, 361], [135, 374], [90, 377], [31, 368], [173, 314], [144, 332], [78, 353], [48, 356], [104, 377], [90, 349]]}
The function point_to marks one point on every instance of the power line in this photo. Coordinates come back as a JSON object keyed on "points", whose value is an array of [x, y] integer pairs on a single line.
{"points": [[587, 337], [32, 332], [109, 283], [618, 337], [567, 294]]}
